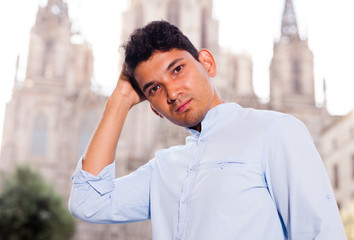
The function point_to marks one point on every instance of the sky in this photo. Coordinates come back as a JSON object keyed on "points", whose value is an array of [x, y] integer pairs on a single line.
{"points": [[249, 26]]}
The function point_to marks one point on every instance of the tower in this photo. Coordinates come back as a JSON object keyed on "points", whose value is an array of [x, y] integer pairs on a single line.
{"points": [[58, 73], [53, 112], [291, 69], [53, 59], [202, 31], [292, 76]]}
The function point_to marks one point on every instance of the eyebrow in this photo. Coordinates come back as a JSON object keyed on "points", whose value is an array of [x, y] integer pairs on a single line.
{"points": [[173, 63], [146, 86]]}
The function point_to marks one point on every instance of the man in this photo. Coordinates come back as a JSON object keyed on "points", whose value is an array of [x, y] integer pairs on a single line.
{"points": [[242, 174]]}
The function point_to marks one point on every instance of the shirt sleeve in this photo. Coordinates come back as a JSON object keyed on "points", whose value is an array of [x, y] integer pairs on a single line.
{"points": [[104, 199], [299, 185]]}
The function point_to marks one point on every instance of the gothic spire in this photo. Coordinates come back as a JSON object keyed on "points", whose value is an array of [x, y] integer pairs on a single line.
{"points": [[57, 7], [289, 27], [56, 11]]}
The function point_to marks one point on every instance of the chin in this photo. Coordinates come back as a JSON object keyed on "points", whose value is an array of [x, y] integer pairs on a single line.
{"points": [[194, 121], [190, 120]]}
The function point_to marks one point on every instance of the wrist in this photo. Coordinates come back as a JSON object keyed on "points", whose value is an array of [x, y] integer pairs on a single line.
{"points": [[119, 102]]}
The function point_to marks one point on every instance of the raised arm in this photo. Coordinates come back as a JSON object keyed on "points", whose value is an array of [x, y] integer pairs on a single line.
{"points": [[102, 147], [96, 195]]}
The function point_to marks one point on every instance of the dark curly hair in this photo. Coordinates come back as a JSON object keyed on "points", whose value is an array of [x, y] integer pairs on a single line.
{"points": [[155, 36]]}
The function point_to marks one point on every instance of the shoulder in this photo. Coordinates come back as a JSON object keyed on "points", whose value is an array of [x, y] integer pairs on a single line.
{"points": [[288, 132], [263, 119], [270, 125], [288, 124], [263, 115], [177, 149]]}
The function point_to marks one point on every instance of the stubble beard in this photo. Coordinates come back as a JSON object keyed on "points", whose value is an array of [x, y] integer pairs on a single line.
{"points": [[192, 119]]}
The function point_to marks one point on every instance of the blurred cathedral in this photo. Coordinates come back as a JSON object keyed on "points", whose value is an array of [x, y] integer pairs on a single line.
{"points": [[54, 111]]}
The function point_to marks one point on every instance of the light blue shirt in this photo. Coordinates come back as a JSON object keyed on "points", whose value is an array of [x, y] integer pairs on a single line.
{"points": [[248, 175]]}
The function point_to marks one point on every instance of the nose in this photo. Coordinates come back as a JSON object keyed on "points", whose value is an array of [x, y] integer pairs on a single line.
{"points": [[173, 93]]}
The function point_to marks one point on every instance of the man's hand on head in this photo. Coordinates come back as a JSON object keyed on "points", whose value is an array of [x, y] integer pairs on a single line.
{"points": [[125, 91]]}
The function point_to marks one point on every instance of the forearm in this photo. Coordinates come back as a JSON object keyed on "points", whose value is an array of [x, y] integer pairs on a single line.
{"points": [[102, 147], [103, 199]]}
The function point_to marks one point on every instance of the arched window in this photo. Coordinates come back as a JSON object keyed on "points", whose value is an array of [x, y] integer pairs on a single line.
{"points": [[203, 32], [87, 126], [296, 72], [139, 15], [39, 135], [173, 12], [47, 57]]}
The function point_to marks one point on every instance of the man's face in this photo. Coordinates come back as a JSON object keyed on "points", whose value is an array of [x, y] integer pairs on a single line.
{"points": [[178, 86]]}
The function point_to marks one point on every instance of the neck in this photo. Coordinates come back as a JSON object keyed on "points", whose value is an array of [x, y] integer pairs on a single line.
{"points": [[217, 99], [197, 127]]}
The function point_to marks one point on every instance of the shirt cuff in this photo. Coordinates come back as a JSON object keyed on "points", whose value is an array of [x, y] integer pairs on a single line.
{"points": [[103, 183]]}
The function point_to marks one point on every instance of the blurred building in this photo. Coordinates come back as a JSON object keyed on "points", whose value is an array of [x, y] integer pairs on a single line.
{"points": [[338, 154], [52, 114]]}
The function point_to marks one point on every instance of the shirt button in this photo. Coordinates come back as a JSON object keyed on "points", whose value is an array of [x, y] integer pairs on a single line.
{"points": [[192, 168], [221, 165], [183, 201]]}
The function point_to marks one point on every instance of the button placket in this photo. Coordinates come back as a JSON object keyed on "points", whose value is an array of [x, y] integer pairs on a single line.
{"points": [[184, 203]]}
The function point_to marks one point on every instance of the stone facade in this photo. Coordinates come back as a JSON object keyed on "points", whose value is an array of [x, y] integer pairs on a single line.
{"points": [[337, 143], [53, 113], [54, 106]]}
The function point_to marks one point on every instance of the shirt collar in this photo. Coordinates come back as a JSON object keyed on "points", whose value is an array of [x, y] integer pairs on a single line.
{"points": [[214, 116]]}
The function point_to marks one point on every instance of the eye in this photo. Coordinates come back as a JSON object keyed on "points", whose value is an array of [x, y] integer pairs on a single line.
{"points": [[154, 89], [178, 69]]}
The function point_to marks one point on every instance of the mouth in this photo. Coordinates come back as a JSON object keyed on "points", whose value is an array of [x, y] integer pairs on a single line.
{"points": [[183, 106]]}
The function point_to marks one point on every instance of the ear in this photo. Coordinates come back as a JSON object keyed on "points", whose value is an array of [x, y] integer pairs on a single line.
{"points": [[155, 111], [207, 60]]}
